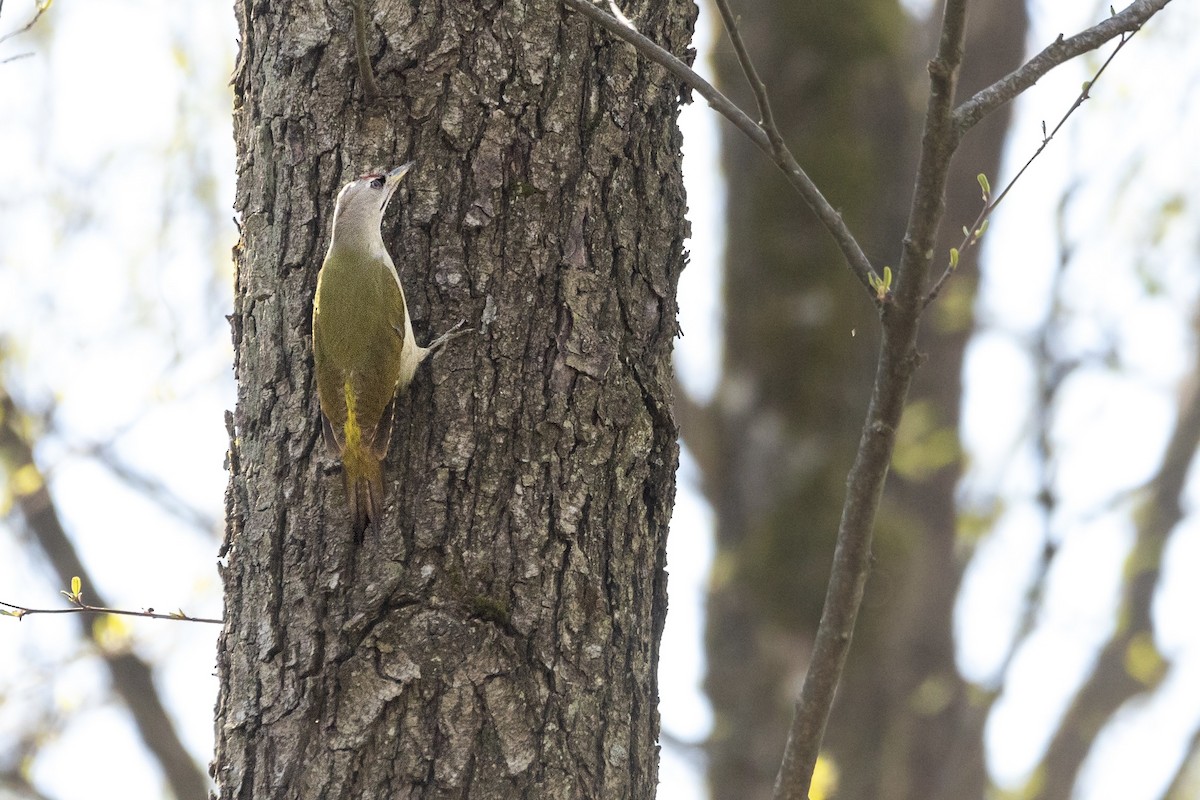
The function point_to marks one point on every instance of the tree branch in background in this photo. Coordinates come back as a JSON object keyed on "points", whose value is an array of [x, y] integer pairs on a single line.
{"points": [[1186, 782], [973, 233], [80, 607], [42, 7], [1130, 663], [14, 784], [1008, 88], [131, 676], [150, 487]]}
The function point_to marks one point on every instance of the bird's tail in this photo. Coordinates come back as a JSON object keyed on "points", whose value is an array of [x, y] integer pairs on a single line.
{"points": [[364, 485]]}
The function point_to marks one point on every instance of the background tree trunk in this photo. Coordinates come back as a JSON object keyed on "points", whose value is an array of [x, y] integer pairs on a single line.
{"points": [[930, 746], [497, 635], [796, 378], [800, 343]]}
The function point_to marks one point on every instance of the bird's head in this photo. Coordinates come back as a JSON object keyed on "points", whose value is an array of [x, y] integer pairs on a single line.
{"points": [[361, 202]]}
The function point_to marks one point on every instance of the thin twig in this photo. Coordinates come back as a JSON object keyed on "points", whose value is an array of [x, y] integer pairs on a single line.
{"points": [[20, 612], [756, 85], [365, 71], [974, 233], [985, 101], [859, 264]]}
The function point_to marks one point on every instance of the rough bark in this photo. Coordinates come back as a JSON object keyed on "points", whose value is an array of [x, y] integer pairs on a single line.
{"points": [[497, 635], [843, 80]]}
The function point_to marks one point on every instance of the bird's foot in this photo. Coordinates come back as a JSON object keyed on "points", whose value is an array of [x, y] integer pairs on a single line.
{"points": [[449, 336]]}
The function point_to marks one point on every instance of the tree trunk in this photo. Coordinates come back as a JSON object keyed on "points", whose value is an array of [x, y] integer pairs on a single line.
{"points": [[497, 635]]}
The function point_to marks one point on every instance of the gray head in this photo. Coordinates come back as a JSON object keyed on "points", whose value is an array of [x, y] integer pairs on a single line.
{"points": [[361, 202]]}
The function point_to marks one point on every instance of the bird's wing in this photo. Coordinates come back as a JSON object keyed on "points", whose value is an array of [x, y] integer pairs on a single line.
{"points": [[389, 349], [331, 401], [332, 440], [383, 431]]}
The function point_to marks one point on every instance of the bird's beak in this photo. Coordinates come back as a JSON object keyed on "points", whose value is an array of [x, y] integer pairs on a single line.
{"points": [[391, 181], [396, 175]]}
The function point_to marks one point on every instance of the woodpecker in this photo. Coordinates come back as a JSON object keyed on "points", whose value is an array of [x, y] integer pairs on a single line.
{"points": [[363, 346]]}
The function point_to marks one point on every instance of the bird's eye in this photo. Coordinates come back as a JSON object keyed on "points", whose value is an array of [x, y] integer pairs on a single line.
{"points": [[377, 182]]}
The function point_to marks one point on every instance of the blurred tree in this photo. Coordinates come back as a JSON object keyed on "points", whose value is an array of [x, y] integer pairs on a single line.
{"points": [[907, 724], [111, 374], [131, 676], [845, 80], [497, 635], [1130, 663]]}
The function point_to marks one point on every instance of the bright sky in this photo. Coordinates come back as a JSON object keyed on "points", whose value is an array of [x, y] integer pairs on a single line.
{"points": [[113, 327]]}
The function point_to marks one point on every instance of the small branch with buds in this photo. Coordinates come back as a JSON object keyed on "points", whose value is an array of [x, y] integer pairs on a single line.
{"points": [[75, 597], [973, 233]]}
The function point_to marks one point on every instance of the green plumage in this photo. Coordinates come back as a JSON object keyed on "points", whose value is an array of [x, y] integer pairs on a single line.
{"points": [[358, 325], [358, 330], [363, 345], [360, 333]]}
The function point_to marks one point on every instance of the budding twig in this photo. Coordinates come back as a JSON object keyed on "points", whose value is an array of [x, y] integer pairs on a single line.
{"points": [[973, 233], [75, 597]]}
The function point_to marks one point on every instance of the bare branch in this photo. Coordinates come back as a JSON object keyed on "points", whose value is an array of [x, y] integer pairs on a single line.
{"points": [[20, 612], [42, 7], [796, 176], [972, 235], [756, 85], [893, 376], [985, 101]]}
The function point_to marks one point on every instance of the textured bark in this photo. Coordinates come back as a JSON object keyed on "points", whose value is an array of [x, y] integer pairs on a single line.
{"points": [[843, 78], [497, 635]]}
